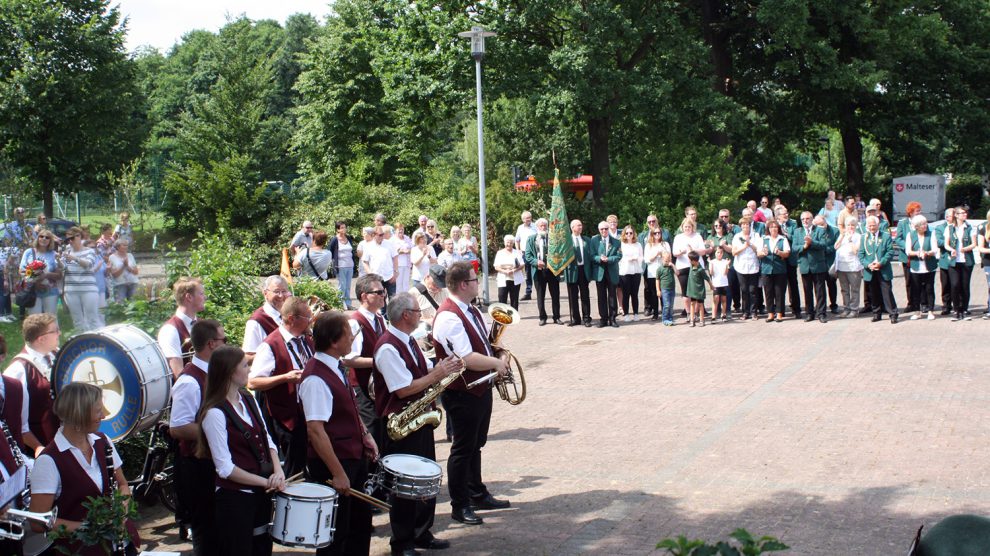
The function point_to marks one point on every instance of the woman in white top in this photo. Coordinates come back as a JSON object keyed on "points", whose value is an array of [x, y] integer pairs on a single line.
{"points": [[688, 240], [467, 246], [80, 293], [848, 267], [653, 255], [630, 272], [960, 241], [403, 246], [422, 257], [246, 463], [745, 259], [922, 251], [509, 265], [124, 271]]}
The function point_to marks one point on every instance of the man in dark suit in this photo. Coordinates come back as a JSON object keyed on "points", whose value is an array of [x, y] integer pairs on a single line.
{"points": [[605, 271], [876, 251], [537, 251], [578, 275]]}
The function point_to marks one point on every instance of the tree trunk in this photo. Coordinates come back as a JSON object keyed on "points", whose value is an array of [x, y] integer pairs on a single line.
{"points": [[47, 199], [714, 14], [852, 144], [599, 130]]}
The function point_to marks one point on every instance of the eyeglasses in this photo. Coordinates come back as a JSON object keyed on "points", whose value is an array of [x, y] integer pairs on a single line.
{"points": [[651, 221], [415, 310], [377, 292], [222, 340], [658, 233], [56, 331], [629, 234], [470, 280], [280, 293]]}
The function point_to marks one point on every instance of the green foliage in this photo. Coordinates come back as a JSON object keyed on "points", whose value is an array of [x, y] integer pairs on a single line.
{"points": [[966, 190], [745, 545], [104, 524], [330, 294], [148, 315]]}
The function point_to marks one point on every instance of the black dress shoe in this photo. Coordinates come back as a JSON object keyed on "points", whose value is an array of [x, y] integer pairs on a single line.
{"points": [[489, 503], [543, 322], [406, 552], [602, 324], [876, 317], [526, 297], [572, 323], [433, 544], [587, 323], [809, 318], [823, 319], [615, 324], [893, 318], [835, 310], [865, 310], [557, 321], [466, 516]]}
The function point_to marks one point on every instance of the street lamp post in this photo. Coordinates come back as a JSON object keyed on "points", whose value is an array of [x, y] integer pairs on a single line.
{"points": [[477, 35], [828, 143]]}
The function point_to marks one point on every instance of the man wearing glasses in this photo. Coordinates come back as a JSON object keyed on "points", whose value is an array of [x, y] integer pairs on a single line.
{"points": [[402, 373], [536, 254], [195, 476], [650, 299], [265, 319], [303, 237], [605, 258], [577, 275], [276, 371], [370, 325]]}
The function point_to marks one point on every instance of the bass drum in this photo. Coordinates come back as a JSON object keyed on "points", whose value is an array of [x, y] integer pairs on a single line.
{"points": [[128, 366]]}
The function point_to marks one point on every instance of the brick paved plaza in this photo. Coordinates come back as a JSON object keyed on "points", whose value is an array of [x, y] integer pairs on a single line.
{"points": [[838, 438]]}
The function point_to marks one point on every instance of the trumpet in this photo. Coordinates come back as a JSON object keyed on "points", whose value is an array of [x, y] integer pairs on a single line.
{"points": [[512, 386], [12, 526]]}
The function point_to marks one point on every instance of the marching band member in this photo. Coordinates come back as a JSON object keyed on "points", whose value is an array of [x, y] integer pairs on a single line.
{"points": [[9, 450], [339, 443], [371, 295], [31, 368], [195, 476], [78, 464], [191, 299], [402, 373], [12, 402], [244, 455], [276, 370], [265, 319], [460, 325]]}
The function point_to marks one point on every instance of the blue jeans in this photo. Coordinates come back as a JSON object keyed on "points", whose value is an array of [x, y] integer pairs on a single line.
{"points": [[986, 270], [667, 304], [344, 276]]}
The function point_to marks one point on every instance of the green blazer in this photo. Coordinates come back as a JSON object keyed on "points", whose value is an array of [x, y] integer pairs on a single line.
{"points": [[882, 251], [531, 256], [918, 243], [773, 264], [571, 271], [944, 260], [813, 259], [832, 233], [787, 230], [597, 248], [904, 227], [966, 242]]}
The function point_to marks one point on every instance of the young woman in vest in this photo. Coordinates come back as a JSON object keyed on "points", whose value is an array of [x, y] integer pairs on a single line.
{"points": [[960, 241], [78, 465], [245, 457], [30, 370]]}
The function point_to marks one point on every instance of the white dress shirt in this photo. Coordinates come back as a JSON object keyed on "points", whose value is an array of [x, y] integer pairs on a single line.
{"points": [[45, 478], [168, 337], [314, 394], [389, 362], [186, 397], [379, 259], [357, 344], [523, 232], [215, 430], [254, 334], [447, 328], [17, 372], [747, 262], [264, 358]]}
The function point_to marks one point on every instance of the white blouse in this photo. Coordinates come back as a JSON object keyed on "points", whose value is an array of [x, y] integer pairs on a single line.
{"points": [[684, 244], [632, 259], [504, 258], [847, 254], [746, 262], [654, 257]]}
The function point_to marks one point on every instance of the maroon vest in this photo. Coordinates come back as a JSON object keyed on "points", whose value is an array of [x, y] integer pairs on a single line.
{"points": [[478, 345], [360, 377], [184, 340], [344, 427], [238, 443], [188, 447], [7, 455], [267, 323], [281, 400], [387, 402], [13, 403], [41, 418]]}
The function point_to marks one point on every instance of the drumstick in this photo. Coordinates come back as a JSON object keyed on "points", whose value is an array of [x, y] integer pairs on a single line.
{"points": [[369, 499], [291, 480]]}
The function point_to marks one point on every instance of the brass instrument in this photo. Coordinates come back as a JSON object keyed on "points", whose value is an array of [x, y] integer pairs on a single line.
{"points": [[512, 386], [418, 414], [317, 305], [12, 525]]}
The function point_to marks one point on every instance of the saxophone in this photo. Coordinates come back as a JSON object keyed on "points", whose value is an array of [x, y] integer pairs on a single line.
{"points": [[418, 414]]}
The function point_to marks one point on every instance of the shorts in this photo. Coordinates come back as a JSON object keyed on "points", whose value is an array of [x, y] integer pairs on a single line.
{"points": [[698, 299], [721, 290]]}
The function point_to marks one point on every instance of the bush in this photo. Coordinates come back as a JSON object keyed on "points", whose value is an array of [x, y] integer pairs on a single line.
{"points": [[743, 544], [965, 189], [330, 294]]}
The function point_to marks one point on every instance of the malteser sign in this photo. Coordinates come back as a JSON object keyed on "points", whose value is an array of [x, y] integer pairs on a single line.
{"points": [[927, 189]]}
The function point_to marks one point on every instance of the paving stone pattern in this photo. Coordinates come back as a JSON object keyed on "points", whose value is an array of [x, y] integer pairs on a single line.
{"points": [[837, 438]]}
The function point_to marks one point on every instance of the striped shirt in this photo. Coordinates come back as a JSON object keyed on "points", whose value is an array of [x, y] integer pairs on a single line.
{"points": [[79, 276]]}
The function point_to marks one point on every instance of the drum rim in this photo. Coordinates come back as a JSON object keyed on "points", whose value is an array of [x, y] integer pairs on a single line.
{"points": [[332, 495]]}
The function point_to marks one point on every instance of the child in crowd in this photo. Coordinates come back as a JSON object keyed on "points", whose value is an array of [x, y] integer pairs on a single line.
{"points": [[665, 285], [696, 289], [720, 285]]}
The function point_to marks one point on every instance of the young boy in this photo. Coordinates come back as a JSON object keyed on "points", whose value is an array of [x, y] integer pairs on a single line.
{"points": [[696, 289], [665, 285]]}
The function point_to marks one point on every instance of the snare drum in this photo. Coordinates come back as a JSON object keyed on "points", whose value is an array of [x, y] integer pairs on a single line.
{"points": [[410, 477], [305, 514], [128, 366]]}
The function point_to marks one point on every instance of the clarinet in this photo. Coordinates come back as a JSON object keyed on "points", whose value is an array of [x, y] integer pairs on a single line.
{"points": [[117, 546], [25, 498]]}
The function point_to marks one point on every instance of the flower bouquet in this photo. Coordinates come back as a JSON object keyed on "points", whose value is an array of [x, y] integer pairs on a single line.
{"points": [[34, 270]]}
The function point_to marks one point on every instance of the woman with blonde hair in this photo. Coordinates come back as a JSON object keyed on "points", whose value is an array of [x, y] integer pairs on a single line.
{"points": [[686, 242], [630, 272], [983, 248], [81, 294], [44, 281]]}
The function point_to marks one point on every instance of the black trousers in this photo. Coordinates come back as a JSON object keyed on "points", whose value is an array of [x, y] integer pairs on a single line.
{"points": [[734, 292], [748, 284], [238, 515], [814, 293], [509, 293], [774, 286], [922, 290], [792, 289], [411, 520], [833, 291], [352, 532], [651, 303], [630, 292], [579, 298], [529, 279], [194, 486], [607, 308], [470, 417], [291, 444], [909, 287], [682, 279], [371, 420], [546, 280], [882, 295], [946, 284], [959, 278]]}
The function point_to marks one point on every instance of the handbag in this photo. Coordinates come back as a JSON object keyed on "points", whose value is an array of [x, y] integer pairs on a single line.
{"points": [[25, 296]]}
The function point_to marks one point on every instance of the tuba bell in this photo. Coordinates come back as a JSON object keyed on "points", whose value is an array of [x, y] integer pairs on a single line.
{"points": [[512, 386]]}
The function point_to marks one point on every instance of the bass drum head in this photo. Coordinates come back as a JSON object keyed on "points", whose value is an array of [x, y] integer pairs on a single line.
{"points": [[127, 365]]}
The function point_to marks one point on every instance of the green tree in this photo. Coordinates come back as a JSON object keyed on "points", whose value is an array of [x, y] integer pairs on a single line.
{"points": [[68, 99]]}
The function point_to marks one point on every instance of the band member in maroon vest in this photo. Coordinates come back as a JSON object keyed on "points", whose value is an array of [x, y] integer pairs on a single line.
{"points": [[370, 293], [12, 401], [244, 456], [265, 319], [276, 371], [31, 369], [461, 326], [340, 446], [194, 476], [402, 373], [60, 477], [8, 459], [191, 299]]}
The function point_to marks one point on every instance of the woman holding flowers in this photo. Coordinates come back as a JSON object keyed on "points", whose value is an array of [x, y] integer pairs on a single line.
{"points": [[41, 271]]}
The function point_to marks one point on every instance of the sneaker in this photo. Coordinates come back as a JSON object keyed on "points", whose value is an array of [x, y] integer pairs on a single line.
{"points": [[702, 323], [725, 319], [931, 315], [915, 316], [636, 317], [986, 316], [626, 318], [956, 317], [966, 316]]}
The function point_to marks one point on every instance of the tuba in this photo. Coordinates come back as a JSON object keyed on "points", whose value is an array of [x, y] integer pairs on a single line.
{"points": [[511, 387], [317, 305]]}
